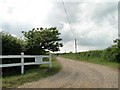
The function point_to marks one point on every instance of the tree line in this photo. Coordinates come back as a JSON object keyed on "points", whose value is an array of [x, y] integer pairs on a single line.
{"points": [[110, 54], [36, 42]]}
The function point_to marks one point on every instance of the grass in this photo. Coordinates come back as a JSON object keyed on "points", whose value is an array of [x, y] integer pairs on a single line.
{"points": [[92, 60], [31, 75]]}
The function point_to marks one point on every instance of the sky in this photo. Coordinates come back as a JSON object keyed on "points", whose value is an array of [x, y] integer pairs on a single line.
{"points": [[94, 23]]}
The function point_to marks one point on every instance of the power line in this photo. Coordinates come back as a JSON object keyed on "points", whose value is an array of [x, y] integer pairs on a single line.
{"points": [[67, 18], [70, 26]]}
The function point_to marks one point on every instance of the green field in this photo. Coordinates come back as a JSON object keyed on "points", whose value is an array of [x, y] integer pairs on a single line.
{"points": [[31, 75], [95, 60]]}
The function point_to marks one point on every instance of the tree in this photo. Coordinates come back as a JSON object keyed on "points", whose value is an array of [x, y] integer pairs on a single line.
{"points": [[10, 45], [117, 41], [41, 40]]}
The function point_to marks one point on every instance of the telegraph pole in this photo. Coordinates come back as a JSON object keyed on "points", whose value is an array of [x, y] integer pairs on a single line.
{"points": [[75, 46], [69, 25]]}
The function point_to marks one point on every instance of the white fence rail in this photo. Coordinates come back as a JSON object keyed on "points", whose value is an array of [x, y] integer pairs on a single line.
{"points": [[38, 60]]}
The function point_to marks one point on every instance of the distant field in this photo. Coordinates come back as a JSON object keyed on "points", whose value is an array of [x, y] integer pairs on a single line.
{"points": [[91, 60], [31, 75]]}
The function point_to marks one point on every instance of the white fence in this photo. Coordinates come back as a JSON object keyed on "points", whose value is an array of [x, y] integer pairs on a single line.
{"points": [[38, 60]]}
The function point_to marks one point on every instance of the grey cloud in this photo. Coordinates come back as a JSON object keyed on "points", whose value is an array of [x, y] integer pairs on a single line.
{"points": [[10, 10], [16, 28], [66, 37], [119, 20], [97, 41], [72, 8], [58, 13], [102, 10]]}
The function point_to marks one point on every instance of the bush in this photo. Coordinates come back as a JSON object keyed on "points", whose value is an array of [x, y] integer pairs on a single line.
{"points": [[110, 53], [10, 45]]}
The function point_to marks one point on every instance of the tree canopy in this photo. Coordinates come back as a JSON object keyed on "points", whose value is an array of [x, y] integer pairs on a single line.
{"points": [[10, 44], [41, 40]]}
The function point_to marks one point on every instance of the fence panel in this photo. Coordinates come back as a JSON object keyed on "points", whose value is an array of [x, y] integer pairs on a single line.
{"points": [[38, 60]]}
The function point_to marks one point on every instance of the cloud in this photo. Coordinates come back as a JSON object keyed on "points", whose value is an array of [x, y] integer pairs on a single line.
{"points": [[15, 28], [57, 15], [103, 10], [93, 24], [97, 27], [29, 11], [23, 14]]}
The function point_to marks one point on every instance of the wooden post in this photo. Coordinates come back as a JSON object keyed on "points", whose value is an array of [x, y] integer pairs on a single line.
{"points": [[50, 59], [22, 62], [41, 60]]}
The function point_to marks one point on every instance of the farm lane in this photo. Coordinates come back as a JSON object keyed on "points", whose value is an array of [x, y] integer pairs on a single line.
{"points": [[76, 74]]}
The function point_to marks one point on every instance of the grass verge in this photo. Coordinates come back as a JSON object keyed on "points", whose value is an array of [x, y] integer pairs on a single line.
{"points": [[31, 75], [92, 60]]}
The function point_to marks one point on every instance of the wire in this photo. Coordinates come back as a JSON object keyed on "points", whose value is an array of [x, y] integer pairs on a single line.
{"points": [[74, 36], [68, 18]]}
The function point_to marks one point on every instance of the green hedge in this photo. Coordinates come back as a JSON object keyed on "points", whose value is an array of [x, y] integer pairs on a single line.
{"points": [[10, 45], [13, 46], [109, 54]]}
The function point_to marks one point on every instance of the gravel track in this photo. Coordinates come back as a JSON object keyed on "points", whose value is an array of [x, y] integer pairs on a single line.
{"points": [[75, 74]]}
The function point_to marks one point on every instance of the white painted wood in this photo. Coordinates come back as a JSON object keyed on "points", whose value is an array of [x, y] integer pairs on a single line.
{"points": [[19, 64], [10, 65], [50, 60], [11, 56], [25, 56], [22, 62], [38, 60], [30, 63]]}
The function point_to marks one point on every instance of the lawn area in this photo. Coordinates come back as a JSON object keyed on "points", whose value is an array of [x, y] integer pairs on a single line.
{"points": [[31, 75], [92, 60]]}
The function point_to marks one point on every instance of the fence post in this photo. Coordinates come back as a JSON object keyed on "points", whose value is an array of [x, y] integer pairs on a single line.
{"points": [[22, 62], [50, 59]]}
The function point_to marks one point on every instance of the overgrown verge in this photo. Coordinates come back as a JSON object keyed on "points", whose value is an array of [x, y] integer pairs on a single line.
{"points": [[31, 75], [109, 56], [105, 57]]}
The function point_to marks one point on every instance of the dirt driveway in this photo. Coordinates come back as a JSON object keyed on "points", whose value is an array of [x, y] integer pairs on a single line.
{"points": [[76, 74]]}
